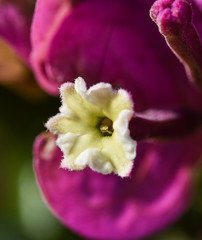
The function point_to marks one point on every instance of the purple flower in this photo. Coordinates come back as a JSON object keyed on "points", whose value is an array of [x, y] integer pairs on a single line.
{"points": [[116, 42]]}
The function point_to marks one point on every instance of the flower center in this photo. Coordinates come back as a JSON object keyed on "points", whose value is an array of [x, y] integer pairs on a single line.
{"points": [[106, 127]]}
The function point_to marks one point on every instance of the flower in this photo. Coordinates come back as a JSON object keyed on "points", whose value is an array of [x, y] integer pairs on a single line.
{"points": [[120, 45], [93, 128]]}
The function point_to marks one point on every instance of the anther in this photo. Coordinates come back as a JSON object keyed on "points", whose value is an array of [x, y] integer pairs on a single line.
{"points": [[106, 127]]}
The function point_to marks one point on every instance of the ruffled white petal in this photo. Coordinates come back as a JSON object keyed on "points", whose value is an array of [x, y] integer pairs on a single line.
{"points": [[98, 95], [79, 135], [123, 133], [95, 160], [65, 142]]}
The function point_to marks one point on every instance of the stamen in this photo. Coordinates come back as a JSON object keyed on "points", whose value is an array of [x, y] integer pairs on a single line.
{"points": [[174, 20], [106, 127]]}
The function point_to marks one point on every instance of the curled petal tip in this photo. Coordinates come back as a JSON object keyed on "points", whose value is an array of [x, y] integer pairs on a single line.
{"points": [[171, 16], [174, 20]]}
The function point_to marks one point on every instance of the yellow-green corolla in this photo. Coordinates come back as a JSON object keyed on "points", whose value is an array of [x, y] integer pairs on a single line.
{"points": [[92, 128]]}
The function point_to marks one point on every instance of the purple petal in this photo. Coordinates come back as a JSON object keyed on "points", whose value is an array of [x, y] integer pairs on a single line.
{"points": [[118, 44], [107, 207], [197, 8], [15, 22], [48, 17], [199, 2]]}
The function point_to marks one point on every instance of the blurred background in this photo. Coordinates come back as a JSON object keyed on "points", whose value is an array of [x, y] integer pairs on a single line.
{"points": [[24, 110]]}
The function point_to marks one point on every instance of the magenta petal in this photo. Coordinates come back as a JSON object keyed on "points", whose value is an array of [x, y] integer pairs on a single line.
{"points": [[199, 2], [198, 16], [48, 17], [118, 44], [109, 207], [15, 23]]}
